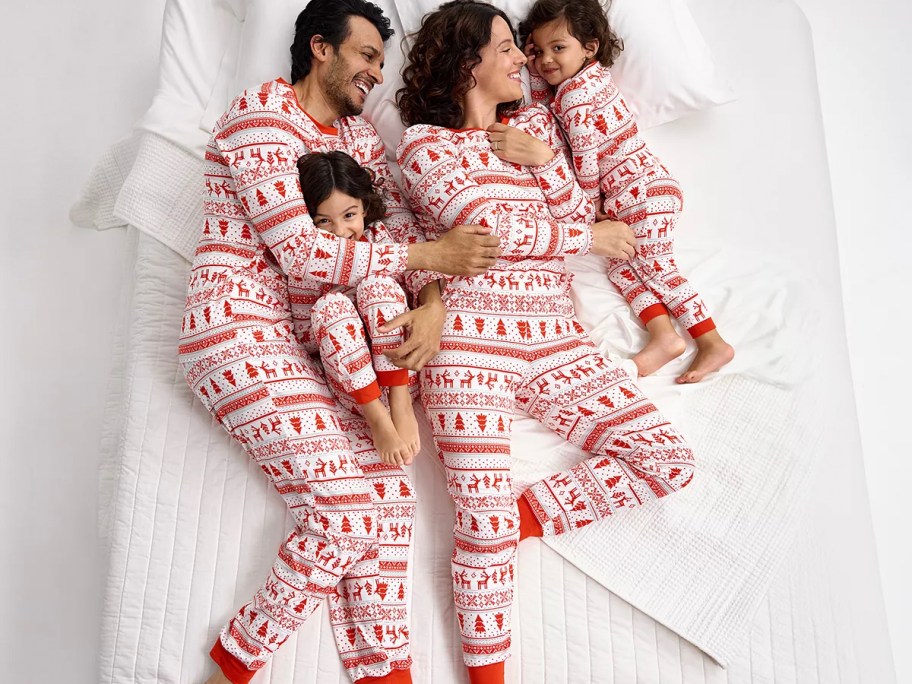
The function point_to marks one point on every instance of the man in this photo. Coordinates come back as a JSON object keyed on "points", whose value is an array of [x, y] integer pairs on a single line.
{"points": [[241, 357]]}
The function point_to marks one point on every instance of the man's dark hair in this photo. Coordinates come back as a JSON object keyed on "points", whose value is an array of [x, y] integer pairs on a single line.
{"points": [[329, 19]]}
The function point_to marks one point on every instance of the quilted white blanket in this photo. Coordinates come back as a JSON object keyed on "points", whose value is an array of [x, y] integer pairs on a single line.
{"points": [[759, 566]]}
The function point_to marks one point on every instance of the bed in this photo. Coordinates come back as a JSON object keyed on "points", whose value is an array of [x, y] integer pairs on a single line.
{"points": [[762, 571]]}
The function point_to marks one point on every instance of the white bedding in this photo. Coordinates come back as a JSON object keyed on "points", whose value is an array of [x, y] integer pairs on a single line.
{"points": [[193, 527]]}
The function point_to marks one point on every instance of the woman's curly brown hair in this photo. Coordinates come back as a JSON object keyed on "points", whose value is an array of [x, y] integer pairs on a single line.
{"points": [[586, 21], [322, 172], [439, 70]]}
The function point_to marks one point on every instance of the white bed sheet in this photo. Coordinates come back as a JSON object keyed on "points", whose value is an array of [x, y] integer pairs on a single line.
{"points": [[184, 502]]}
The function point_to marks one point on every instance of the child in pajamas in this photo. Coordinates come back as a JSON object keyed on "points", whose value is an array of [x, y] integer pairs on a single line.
{"points": [[341, 199], [570, 47]]}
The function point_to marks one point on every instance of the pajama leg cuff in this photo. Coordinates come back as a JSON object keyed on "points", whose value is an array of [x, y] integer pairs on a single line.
{"points": [[653, 311], [701, 328], [394, 677], [230, 666], [394, 378], [529, 526], [487, 674], [365, 395]]}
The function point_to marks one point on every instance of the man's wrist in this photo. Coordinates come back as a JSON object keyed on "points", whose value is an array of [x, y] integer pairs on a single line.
{"points": [[420, 256]]}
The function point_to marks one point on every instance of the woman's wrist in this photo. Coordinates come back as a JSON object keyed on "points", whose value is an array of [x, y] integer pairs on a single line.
{"points": [[544, 155]]}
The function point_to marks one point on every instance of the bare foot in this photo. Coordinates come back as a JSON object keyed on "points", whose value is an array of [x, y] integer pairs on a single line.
{"points": [[392, 448], [218, 678], [664, 345], [403, 417], [712, 353]]}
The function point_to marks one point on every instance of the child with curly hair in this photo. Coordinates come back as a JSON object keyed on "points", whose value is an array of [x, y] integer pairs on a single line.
{"points": [[570, 47]]}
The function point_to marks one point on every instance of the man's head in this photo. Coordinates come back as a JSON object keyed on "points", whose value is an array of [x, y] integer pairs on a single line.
{"points": [[341, 40]]}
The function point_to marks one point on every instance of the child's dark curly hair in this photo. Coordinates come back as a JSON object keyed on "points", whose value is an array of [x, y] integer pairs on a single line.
{"points": [[439, 71], [586, 21], [323, 172]]}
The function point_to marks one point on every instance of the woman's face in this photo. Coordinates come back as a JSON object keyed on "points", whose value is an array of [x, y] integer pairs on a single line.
{"points": [[497, 75]]}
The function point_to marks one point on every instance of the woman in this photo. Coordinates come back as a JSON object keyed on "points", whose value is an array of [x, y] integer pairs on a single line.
{"points": [[511, 338]]}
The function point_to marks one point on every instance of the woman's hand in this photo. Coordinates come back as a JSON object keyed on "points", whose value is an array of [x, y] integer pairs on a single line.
{"points": [[613, 239], [516, 146], [423, 328]]}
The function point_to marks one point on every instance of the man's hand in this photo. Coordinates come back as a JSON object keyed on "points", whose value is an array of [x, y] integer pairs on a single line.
{"points": [[464, 250], [613, 239], [423, 328]]}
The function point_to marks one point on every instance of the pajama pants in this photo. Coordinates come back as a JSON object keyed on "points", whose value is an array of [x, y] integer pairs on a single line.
{"points": [[353, 359], [651, 282], [353, 514], [532, 355]]}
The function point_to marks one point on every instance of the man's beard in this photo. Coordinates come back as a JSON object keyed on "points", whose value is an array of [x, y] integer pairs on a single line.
{"points": [[336, 87]]}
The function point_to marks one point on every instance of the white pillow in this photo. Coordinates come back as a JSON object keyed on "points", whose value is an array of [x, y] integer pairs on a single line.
{"points": [[196, 67], [264, 56], [666, 69]]}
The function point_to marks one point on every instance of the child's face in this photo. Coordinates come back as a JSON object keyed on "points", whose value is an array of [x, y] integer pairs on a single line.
{"points": [[341, 215], [557, 54]]}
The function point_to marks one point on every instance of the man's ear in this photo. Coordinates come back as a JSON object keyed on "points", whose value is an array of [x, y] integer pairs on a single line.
{"points": [[321, 50]]}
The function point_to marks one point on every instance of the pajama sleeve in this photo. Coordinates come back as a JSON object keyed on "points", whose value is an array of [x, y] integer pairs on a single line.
{"points": [[400, 223], [599, 137], [542, 92], [576, 115], [439, 186], [260, 151], [566, 199]]}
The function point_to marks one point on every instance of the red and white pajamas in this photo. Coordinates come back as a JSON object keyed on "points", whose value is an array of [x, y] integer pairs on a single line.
{"points": [[344, 328], [257, 252], [511, 340], [622, 176]]}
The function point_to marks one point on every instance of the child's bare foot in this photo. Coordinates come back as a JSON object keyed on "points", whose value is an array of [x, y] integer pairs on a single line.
{"points": [[218, 678], [664, 345], [712, 353], [392, 448], [403, 416]]}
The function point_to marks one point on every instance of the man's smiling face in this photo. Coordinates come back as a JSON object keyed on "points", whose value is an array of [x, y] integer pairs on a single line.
{"points": [[355, 68]]}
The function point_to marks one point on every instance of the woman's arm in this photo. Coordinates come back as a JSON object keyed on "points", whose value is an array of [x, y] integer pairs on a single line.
{"points": [[566, 199], [440, 186]]}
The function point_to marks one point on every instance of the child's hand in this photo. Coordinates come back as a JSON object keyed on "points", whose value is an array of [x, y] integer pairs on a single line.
{"points": [[531, 53], [613, 239]]}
